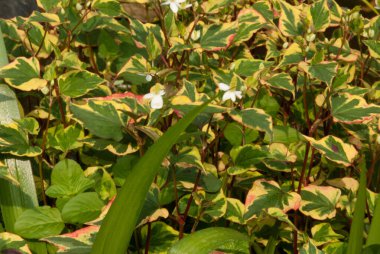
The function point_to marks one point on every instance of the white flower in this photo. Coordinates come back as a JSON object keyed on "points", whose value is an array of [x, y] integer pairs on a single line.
{"points": [[229, 93], [155, 97], [175, 5]]}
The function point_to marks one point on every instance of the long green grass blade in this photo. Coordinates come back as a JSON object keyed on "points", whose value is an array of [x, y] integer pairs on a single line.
{"points": [[14, 199], [119, 224], [374, 231], [207, 240], [355, 243]]}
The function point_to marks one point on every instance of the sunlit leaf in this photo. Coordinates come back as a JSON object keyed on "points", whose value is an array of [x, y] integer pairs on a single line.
{"points": [[319, 202], [77, 83], [352, 109], [290, 20], [267, 194], [334, 149], [24, 74]]}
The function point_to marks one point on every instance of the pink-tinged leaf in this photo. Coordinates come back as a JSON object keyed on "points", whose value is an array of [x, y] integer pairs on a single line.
{"points": [[268, 194]]}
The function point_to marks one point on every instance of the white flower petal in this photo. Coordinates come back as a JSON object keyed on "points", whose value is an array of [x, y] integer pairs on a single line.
{"points": [[180, 1], [157, 102], [229, 96], [187, 6], [224, 87], [148, 96], [161, 92], [238, 94], [174, 7], [166, 3]]}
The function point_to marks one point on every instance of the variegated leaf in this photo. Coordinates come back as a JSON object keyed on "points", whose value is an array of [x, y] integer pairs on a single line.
{"points": [[11, 243], [79, 241], [217, 37], [319, 202], [235, 211], [290, 20], [352, 109], [268, 194], [334, 149], [319, 15], [373, 47], [323, 233], [24, 74], [281, 81], [249, 22], [253, 118], [323, 71]]}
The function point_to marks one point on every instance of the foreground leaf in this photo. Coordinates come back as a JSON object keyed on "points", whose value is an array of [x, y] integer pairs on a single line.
{"points": [[101, 118], [319, 202], [24, 74], [212, 239], [77, 83], [39, 222], [117, 227]]}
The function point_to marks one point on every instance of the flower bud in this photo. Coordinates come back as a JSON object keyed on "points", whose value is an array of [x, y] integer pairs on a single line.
{"points": [[285, 45], [371, 33], [79, 7], [310, 37]]}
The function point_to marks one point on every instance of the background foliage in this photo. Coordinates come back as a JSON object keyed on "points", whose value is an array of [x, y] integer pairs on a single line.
{"points": [[277, 154]]}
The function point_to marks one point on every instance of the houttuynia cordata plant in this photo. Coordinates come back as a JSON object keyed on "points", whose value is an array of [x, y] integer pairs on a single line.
{"points": [[191, 126]]}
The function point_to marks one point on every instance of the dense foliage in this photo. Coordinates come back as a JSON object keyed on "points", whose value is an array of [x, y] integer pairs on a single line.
{"points": [[292, 122]]}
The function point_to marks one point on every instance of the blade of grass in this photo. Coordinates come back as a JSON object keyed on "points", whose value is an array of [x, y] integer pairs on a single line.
{"points": [[374, 231], [207, 240], [355, 243], [14, 199], [119, 224]]}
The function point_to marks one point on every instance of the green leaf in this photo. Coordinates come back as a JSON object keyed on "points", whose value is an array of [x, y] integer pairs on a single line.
{"points": [[77, 83], [309, 248], [292, 55], [67, 179], [65, 139], [334, 149], [320, 15], [101, 118], [323, 233], [24, 74], [206, 206], [323, 71], [290, 20], [216, 37], [374, 232], [355, 242], [108, 7], [82, 208], [162, 237], [39, 222], [253, 118], [373, 47], [268, 194], [248, 155], [285, 135], [235, 134], [281, 81], [14, 140], [319, 202], [280, 158], [235, 211], [6, 175], [117, 228], [352, 109], [212, 239], [249, 22]]}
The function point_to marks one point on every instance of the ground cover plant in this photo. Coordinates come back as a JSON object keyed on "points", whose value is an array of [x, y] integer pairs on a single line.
{"points": [[181, 126]]}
